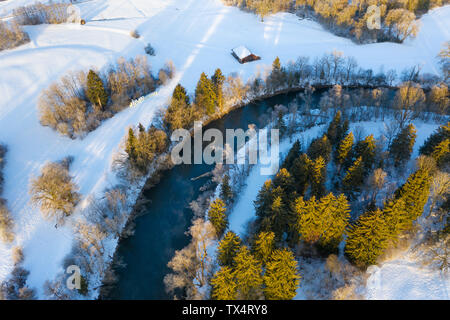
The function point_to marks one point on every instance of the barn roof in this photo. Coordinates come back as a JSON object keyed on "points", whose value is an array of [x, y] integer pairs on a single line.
{"points": [[241, 52]]}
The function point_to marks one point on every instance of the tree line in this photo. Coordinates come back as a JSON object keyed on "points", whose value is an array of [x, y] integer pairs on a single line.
{"points": [[352, 19], [80, 101]]}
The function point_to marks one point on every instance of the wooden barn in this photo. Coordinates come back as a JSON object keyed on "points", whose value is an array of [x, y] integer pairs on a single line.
{"points": [[243, 55]]}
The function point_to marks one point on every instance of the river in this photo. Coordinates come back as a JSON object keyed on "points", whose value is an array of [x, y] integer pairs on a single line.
{"points": [[167, 216]]}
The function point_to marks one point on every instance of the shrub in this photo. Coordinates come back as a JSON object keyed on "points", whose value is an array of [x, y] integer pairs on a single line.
{"points": [[135, 34], [54, 191], [12, 35], [150, 50], [39, 13]]}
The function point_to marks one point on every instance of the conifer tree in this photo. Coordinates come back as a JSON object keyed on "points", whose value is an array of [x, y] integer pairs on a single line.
{"points": [[228, 248], [367, 238], [217, 216], [320, 147], [276, 65], [223, 285], [178, 113], [337, 129], [96, 92], [335, 216], [264, 246], [205, 96], [415, 193], [343, 150], [442, 133], [318, 177], [402, 146], [301, 171], [285, 181], [441, 153], [225, 191], [278, 217], [354, 178], [130, 147], [308, 219], [281, 278], [366, 150], [218, 79], [248, 276], [324, 221], [263, 199], [396, 217], [293, 154]]}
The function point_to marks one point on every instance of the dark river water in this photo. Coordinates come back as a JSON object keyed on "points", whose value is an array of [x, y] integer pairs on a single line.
{"points": [[167, 216]]}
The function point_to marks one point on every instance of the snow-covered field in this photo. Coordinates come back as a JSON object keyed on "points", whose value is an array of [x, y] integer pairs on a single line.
{"points": [[197, 36]]}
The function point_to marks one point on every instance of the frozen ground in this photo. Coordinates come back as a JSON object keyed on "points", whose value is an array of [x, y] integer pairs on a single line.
{"points": [[197, 35]]}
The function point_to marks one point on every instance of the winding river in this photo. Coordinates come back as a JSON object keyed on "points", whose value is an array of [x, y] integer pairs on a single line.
{"points": [[167, 216]]}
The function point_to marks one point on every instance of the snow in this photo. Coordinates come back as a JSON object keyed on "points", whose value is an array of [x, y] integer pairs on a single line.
{"points": [[196, 35], [241, 52], [404, 278]]}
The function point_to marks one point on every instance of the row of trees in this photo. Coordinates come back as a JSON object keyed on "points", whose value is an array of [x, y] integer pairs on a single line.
{"points": [[374, 231], [262, 271], [359, 20], [78, 102]]}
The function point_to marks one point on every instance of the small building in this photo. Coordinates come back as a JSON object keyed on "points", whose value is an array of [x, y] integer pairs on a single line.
{"points": [[243, 55]]}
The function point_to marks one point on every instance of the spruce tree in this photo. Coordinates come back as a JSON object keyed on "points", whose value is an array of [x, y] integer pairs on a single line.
{"points": [[441, 153], [130, 147], [264, 245], [402, 146], [343, 151], [318, 177], [396, 217], [281, 278], [95, 91], [217, 216], [301, 171], [285, 181], [205, 96], [218, 79], [223, 285], [415, 193], [225, 191], [335, 216], [337, 129], [263, 200], [293, 154], [323, 221], [228, 248], [248, 276], [308, 219], [367, 239], [366, 150], [354, 178], [177, 114], [442, 133], [320, 147]]}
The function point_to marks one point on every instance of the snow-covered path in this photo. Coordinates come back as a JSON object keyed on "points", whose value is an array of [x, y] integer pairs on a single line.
{"points": [[197, 35]]}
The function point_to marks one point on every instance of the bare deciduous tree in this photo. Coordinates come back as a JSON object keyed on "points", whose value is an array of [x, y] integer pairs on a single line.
{"points": [[54, 191]]}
